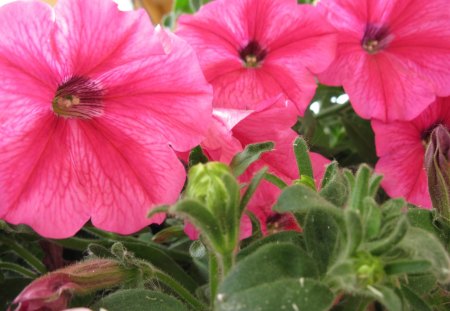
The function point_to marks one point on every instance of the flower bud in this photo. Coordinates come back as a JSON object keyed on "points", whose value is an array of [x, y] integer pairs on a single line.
{"points": [[437, 163], [369, 269], [54, 290], [206, 184]]}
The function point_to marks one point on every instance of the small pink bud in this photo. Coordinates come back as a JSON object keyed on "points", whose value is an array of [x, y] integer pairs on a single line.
{"points": [[54, 290]]}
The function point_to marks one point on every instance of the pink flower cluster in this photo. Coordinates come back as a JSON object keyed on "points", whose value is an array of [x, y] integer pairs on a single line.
{"points": [[393, 60], [95, 103]]}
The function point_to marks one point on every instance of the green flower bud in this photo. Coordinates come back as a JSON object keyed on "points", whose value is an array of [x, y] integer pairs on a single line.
{"points": [[206, 184], [369, 269]]}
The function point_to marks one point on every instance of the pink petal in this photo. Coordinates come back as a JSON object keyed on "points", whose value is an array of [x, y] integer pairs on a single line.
{"points": [[384, 87], [401, 148], [313, 47], [123, 177], [170, 96], [39, 182], [427, 34], [26, 59], [219, 144], [349, 55], [90, 40], [296, 41], [405, 176]]}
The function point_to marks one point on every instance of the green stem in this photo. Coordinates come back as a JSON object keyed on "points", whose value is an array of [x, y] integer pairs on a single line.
{"points": [[26, 255], [214, 277], [176, 255], [80, 244], [332, 110], [18, 269], [226, 262], [179, 289]]}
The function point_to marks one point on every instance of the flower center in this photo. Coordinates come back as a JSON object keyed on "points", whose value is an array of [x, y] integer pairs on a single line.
{"points": [[78, 97], [375, 38], [252, 54]]}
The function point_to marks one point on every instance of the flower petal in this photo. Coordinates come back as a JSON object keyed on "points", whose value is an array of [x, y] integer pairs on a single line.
{"points": [[28, 73], [405, 176], [94, 35], [167, 94], [384, 87], [423, 28], [123, 177], [38, 180]]}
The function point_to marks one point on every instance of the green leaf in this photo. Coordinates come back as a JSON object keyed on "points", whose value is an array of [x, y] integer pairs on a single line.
{"points": [[422, 284], [361, 135], [415, 302], [371, 218], [387, 243], [423, 245], [182, 6], [387, 297], [275, 180], [301, 152], [162, 261], [18, 269], [407, 267], [169, 234], [271, 262], [256, 180], [285, 294], [197, 156], [299, 199], [352, 303], [354, 231], [292, 237], [201, 217], [334, 186], [251, 153], [423, 219], [361, 188], [321, 237], [140, 299]]}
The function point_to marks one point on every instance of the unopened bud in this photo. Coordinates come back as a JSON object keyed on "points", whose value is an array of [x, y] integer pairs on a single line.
{"points": [[54, 290], [369, 269], [437, 163], [206, 184]]}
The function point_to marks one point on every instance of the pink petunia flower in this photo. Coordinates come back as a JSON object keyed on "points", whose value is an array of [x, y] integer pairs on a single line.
{"points": [[271, 120], [401, 148], [252, 50], [92, 101], [393, 55]]}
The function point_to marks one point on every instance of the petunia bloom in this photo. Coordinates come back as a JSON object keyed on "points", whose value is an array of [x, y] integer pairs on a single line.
{"points": [[401, 147], [252, 50], [393, 56], [93, 103], [271, 120]]}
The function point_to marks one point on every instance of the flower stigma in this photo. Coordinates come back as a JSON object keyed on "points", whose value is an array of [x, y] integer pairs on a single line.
{"points": [[376, 38], [252, 54], [78, 97]]}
